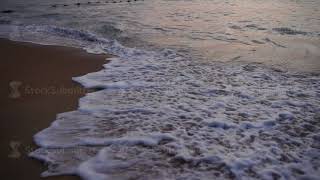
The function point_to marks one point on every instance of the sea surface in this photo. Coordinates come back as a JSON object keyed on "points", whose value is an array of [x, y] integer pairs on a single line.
{"points": [[199, 89]]}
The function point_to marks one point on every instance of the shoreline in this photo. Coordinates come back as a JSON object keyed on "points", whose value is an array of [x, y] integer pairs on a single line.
{"points": [[36, 84]]}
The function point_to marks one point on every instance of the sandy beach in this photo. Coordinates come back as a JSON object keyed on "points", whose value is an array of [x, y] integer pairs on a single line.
{"points": [[197, 89], [36, 85]]}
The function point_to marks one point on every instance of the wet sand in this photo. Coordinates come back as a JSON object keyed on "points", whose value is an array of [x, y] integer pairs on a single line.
{"points": [[36, 85]]}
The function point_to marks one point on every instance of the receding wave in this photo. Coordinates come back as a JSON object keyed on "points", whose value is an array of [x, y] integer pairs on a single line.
{"points": [[177, 113], [160, 115]]}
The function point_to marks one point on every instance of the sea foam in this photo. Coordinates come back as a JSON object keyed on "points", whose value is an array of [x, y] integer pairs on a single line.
{"points": [[160, 115]]}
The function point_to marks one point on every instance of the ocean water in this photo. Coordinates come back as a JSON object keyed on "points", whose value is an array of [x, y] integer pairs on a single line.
{"points": [[198, 89]]}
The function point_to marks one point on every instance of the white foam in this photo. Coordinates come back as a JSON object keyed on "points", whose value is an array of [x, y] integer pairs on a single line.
{"points": [[151, 140], [226, 122], [163, 116]]}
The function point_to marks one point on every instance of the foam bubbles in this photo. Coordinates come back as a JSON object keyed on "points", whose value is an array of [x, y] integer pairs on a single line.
{"points": [[161, 116]]}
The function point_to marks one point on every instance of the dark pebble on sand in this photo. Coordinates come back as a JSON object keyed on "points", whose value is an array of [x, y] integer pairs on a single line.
{"points": [[7, 11], [289, 31], [257, 42], [235, 27]]}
